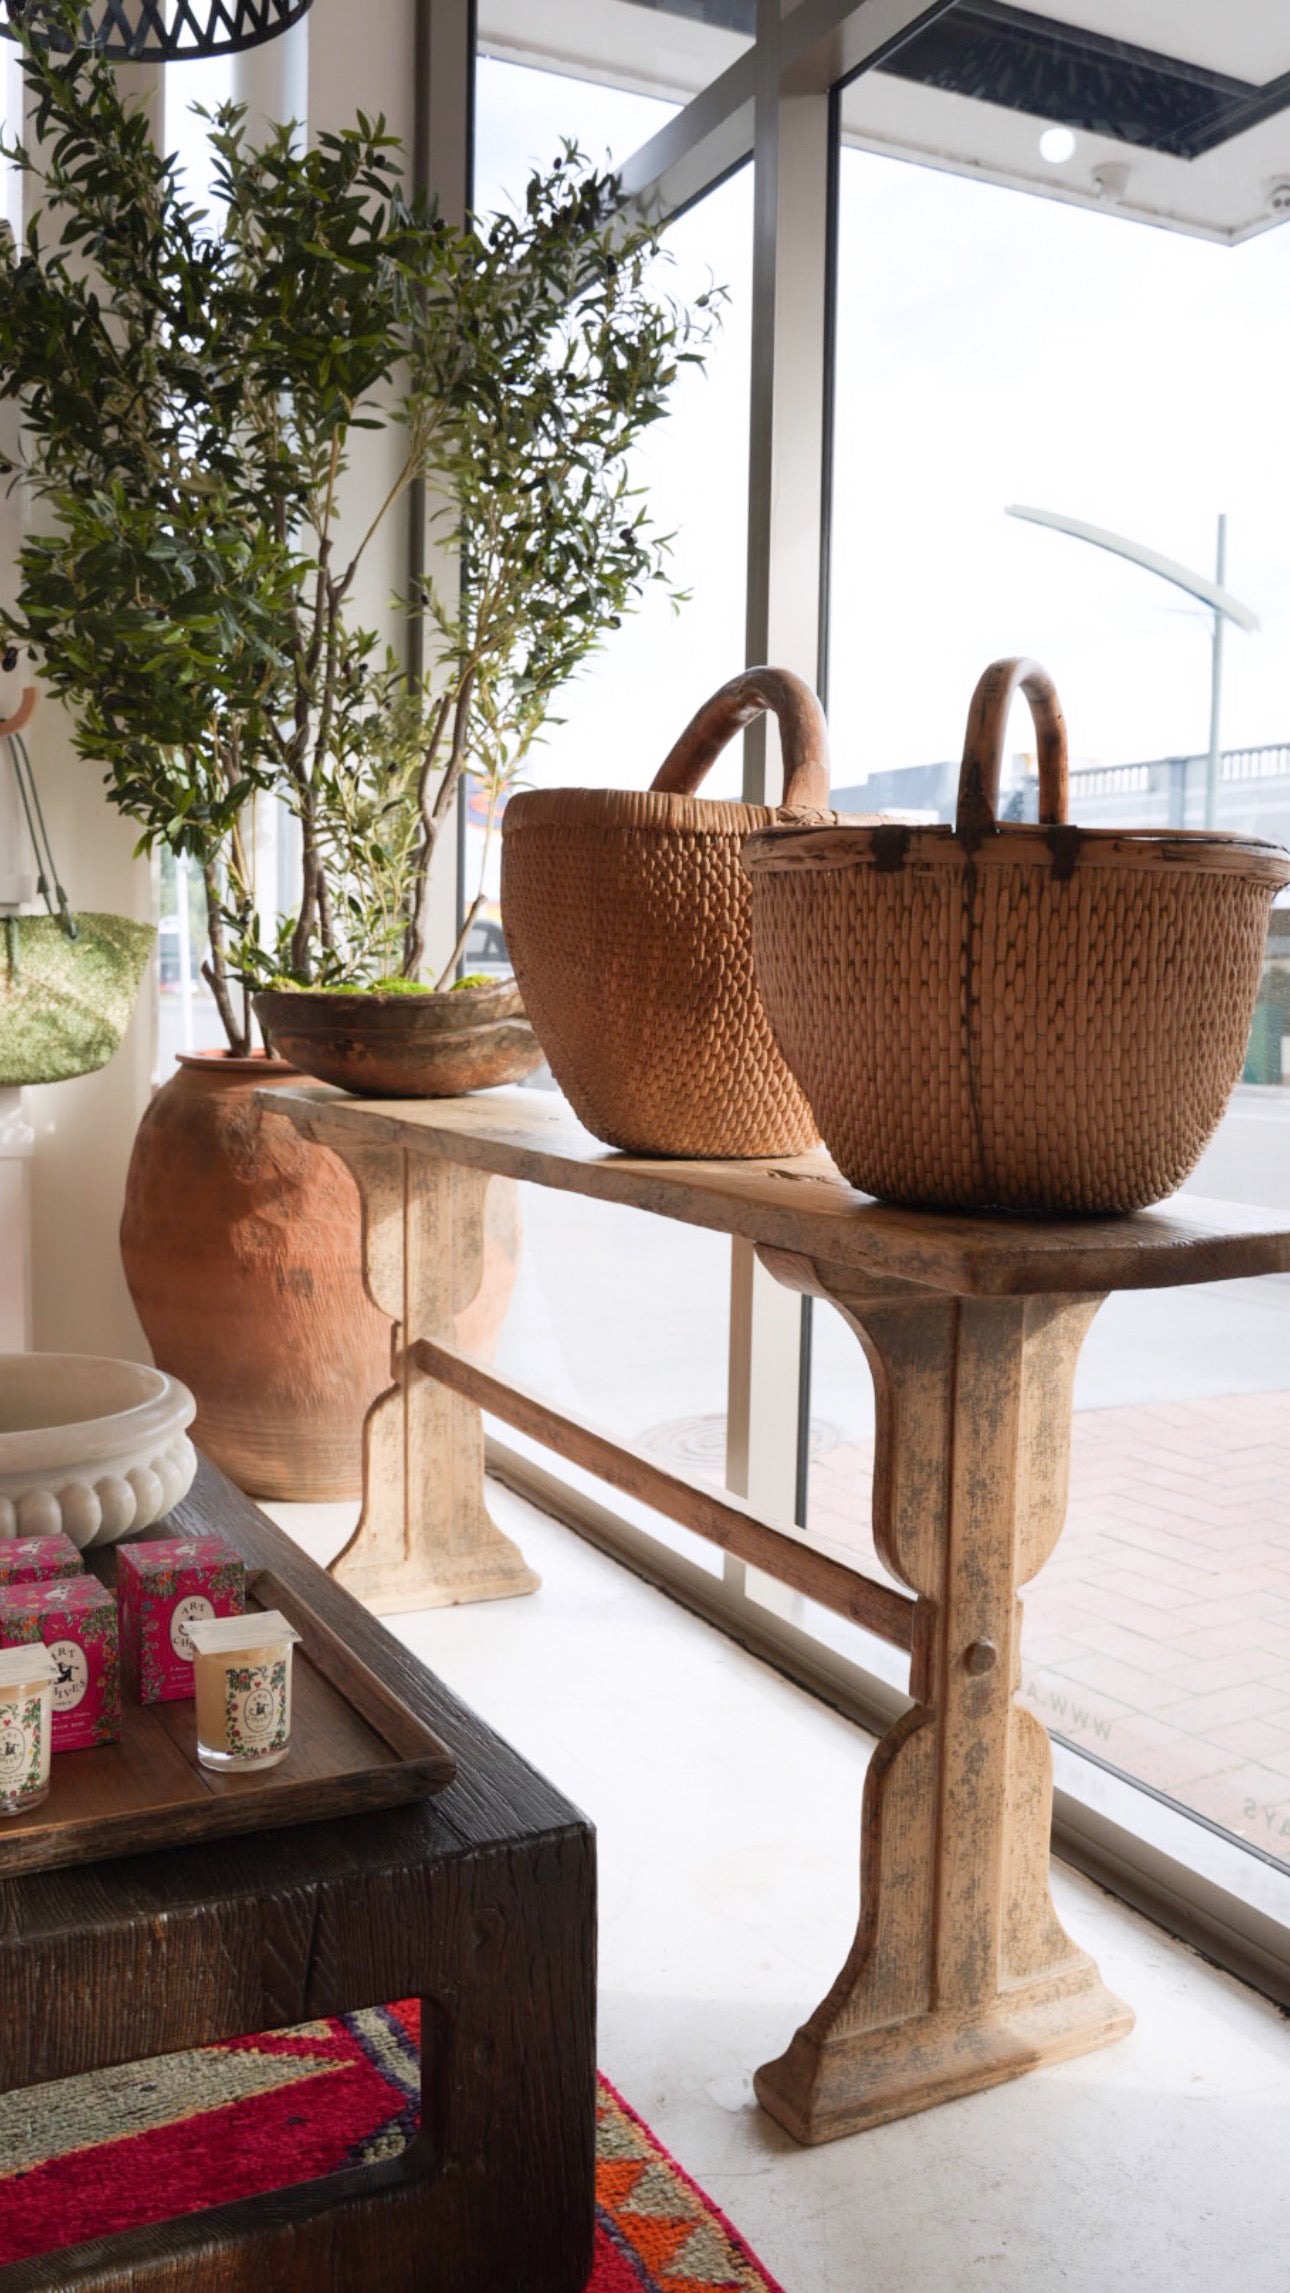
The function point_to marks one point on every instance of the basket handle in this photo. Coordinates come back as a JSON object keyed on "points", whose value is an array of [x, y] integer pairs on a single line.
{"points": [[803, 736], [23, 715], [978, 805]]}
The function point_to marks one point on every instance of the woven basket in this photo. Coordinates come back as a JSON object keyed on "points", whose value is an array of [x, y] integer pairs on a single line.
{"points": [[628, 921], [1032, 1018]]}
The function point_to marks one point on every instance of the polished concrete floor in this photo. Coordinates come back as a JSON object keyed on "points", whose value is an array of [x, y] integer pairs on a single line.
{"points": [[727, 1807]]}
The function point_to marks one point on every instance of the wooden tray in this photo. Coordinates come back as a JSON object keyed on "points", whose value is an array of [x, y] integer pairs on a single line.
{"points": [[354, 1746]]}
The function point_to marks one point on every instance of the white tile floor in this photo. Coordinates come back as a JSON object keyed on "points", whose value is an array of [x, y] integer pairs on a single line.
{"points": [[727, 1807]]}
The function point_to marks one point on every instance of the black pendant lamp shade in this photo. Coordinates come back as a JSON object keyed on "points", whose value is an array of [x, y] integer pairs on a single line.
{"points": [[169, 31]]}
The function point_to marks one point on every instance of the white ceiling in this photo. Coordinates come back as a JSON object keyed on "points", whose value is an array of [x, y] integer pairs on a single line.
{"points": [[1248, 38], [1222, 195]]}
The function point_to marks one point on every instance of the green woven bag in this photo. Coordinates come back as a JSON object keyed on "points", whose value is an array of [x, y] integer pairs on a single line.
{"points": [[66, 1003], [68, 983]]}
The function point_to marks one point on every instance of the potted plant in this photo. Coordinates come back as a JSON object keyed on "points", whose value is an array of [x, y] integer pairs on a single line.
{"points": [[190, 390]]}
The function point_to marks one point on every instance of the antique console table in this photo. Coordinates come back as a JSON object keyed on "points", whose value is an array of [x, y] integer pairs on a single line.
{"points": [[960, 1974]]}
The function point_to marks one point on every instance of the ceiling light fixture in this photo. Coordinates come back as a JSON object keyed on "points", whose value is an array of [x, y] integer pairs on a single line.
{"points": [[1057, 145], [168, 31]]}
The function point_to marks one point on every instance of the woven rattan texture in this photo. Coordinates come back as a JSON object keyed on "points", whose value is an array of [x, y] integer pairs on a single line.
{"points": [[997, 1037], [628, 921]]}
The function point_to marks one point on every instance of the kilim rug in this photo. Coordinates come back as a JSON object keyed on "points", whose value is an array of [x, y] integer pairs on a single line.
{"points": [[90, 2155]]}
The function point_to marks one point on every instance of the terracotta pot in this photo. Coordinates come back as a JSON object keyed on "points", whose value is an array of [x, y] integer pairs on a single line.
{"points": [[241, 1247], [404, 1046]]}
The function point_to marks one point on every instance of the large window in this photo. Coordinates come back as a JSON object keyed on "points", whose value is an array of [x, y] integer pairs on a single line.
{"points": [[616, 1315], [1058, 282], [1010, 349]]}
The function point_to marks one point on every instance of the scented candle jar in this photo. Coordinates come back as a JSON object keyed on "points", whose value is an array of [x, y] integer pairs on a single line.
{"points": [[164, 1585], [26, 1711], [242, 1668], [75, 1617], [30, 1560]]}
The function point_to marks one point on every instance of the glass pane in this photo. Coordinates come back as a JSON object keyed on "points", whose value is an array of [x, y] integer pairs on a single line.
{"points": [[1007, 349], [620, 715], [622, 1317], [651, 56]]}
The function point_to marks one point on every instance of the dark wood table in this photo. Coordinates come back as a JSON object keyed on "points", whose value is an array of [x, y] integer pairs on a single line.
{"points": [[480, 1901]]}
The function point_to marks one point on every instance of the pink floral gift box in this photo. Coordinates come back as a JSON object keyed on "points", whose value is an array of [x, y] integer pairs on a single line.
{"points": [[76, 1618], [162, 1585], [30, 1560]]}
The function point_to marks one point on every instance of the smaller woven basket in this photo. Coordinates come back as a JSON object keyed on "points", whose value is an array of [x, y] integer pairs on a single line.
{"points": [[1041, 1018], [628, 920]]}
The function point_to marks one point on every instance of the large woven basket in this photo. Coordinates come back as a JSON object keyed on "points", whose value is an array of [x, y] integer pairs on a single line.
{"points": [[1040, 1018], [628, 921]]}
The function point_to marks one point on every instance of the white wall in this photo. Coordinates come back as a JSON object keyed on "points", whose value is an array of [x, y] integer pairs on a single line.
{"points": [[84, 1129]]}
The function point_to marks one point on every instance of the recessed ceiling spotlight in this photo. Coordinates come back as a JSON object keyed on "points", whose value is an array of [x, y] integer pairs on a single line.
{"points": [[1057, 145]]}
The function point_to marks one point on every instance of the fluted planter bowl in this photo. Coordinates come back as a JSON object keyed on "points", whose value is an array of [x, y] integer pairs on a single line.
{"points": [[95, 1448]]}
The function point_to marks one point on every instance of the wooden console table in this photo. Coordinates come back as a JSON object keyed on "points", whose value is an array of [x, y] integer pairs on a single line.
{"points": [[960, 1974]]}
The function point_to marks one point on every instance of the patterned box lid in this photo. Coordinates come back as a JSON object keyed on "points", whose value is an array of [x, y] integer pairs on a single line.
{"points": [[161, 1554], [70, 1596], [25, 1560]]}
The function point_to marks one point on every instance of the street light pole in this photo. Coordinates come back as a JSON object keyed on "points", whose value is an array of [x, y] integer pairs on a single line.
{"points": [[1216, 682], [1219, 599]]}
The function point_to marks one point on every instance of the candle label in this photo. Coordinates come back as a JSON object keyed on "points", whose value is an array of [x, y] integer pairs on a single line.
{"points": [[255, 1709], [73, 1676], [20, 1747], [184, 1613]]}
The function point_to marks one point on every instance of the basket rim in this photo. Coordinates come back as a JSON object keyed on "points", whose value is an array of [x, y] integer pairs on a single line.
{"points": [[893, 845], [651, 808]]}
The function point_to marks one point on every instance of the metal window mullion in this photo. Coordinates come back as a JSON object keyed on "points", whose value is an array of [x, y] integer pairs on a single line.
{"points": [[444, 170], [789, 347], [414, 66], [817, 45]]}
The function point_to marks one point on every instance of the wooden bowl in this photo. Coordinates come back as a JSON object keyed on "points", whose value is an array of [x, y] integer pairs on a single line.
{"points": [[432, 1046]]}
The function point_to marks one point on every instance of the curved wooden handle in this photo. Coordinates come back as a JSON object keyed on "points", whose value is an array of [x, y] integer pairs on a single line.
{"points": [[26, 709], [978, 805], [803, 736]]}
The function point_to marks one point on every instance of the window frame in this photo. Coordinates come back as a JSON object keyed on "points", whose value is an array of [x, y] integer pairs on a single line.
{"points": [[779, 106]]}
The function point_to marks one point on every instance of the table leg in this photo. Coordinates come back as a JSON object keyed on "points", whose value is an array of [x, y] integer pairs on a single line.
{"points": [[425, 1538], [961, 1974]]}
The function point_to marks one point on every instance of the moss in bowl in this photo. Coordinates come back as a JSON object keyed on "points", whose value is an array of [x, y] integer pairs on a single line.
{"points": [[400, 1039]]}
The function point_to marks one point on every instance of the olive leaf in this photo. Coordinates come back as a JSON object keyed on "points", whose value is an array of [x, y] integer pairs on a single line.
{"points": [[189, 387]]}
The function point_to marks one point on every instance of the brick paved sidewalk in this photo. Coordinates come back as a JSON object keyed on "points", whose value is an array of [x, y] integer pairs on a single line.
{"points": [[1159, 1633]]}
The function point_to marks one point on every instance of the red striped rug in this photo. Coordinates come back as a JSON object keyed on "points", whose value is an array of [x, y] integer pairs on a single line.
{"points": [[155, 2139]]}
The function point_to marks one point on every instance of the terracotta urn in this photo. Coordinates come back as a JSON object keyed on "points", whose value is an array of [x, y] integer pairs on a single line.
{"points": [[241, 1245]]}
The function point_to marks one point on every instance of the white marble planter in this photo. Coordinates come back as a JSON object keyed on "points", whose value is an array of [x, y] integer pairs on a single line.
{"points": [[95, 1448]]}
